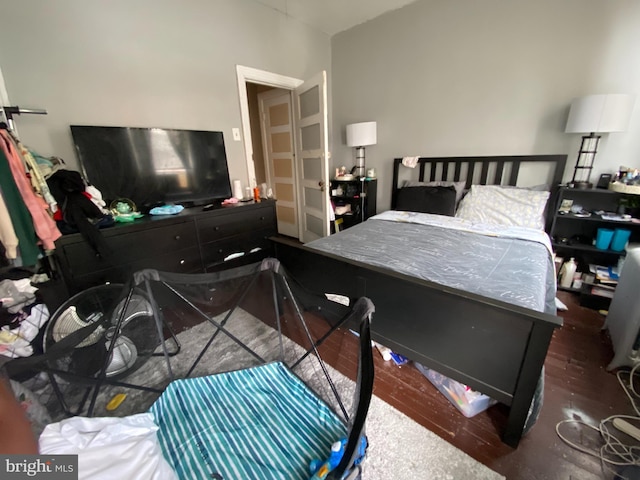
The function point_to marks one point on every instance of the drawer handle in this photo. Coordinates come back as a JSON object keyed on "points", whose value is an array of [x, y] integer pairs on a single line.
{"points": [[262, 218], [233, 255], [177, 237], [216, 228], [181, 262], [220, 250]]}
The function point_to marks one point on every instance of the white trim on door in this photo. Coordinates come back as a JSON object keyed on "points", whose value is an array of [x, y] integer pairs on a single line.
{"points": [[253, 75]]}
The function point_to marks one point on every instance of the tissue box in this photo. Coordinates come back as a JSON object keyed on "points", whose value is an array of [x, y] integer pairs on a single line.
{"points": [[468, 401]]}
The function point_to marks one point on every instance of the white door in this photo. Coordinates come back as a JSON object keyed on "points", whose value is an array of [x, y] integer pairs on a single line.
{"points": [[277, 137], [312, 157]]}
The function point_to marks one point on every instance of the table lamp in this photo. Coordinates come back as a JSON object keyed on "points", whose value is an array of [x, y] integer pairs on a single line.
{"points": [[360, 135], [594, 114]]}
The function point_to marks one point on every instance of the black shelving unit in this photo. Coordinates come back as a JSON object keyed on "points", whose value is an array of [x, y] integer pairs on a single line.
{"points": [[573, 235], [358, 196]]}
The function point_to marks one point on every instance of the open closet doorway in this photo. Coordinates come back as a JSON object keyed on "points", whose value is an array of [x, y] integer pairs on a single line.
{"points": [[284, 122]]}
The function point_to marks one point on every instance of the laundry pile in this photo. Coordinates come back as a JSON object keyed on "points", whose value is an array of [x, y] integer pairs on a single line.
{"points": [[21, 318]]}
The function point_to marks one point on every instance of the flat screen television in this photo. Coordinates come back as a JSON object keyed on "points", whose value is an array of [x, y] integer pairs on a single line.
{"points": [[154, 166]]}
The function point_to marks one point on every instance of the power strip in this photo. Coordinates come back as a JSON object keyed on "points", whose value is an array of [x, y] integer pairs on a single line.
{"points": [[627, 428]]}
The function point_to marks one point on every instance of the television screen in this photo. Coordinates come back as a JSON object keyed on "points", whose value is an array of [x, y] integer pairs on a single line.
{"points": [[153, 166]]}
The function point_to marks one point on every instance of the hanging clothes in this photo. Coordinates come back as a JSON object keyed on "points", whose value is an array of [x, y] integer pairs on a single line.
{"points": [[8, 235], [37, 178], [19, 214], [45, 227]]}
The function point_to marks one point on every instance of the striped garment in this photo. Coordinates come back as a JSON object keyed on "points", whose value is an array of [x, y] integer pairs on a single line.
{"points": [[258, 423]]}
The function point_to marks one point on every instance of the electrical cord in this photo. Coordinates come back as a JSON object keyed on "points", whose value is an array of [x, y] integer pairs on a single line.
{"points": [[613, 452]]}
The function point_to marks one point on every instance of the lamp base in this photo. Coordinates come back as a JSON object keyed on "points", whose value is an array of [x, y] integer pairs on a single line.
{"points": [[359, 169], [580, 185]]}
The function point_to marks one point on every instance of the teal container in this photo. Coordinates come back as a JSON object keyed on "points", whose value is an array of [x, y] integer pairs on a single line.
{"points": [[603, 238], [620, 239]]}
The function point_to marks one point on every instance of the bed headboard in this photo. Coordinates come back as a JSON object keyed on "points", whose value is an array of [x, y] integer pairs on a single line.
{"points": [[497, 170]]}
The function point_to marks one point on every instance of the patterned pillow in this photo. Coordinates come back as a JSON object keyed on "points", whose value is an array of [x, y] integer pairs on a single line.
{"points": [[497, 205]]}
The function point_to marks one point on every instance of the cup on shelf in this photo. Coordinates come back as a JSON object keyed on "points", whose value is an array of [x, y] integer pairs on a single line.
{"points": [[620, 239], [603, 238]]}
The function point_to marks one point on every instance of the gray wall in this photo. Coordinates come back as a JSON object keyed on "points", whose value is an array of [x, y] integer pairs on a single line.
{"points": [[162, 63], [488, 77]]}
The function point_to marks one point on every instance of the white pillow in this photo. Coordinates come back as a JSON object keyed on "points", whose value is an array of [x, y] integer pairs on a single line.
{"points": [[497, 205]]}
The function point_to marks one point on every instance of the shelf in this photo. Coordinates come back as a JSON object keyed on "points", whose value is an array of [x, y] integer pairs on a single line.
{"points": [[568, 289], [588, 191], [586, 248], [595, 218]]}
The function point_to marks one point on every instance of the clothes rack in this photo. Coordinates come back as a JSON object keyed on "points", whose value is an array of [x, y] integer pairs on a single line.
{"points": [[9, 112]]}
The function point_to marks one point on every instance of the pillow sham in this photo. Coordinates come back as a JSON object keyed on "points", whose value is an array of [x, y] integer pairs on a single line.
{"points": [[436, 200], [459, 186], [498, 205]]}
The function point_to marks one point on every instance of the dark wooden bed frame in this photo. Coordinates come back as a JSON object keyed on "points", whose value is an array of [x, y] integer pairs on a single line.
{"points": [[494, 347]]}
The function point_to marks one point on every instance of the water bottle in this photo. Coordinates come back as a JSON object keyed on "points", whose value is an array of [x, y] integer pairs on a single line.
{"points": [[567, 272]]}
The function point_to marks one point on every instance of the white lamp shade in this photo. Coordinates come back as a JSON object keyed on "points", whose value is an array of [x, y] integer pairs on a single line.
{"points": [[600, 113], [361, 134]]}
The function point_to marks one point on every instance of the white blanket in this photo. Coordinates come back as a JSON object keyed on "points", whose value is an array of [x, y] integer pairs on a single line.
{"points": [[109, 448]]}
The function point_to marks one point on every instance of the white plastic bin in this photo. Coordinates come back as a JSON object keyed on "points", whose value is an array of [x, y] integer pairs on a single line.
{"points": [[468, 401]]}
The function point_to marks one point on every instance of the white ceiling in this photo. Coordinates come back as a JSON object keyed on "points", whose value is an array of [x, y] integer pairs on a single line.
{"points": [[334, 16]]}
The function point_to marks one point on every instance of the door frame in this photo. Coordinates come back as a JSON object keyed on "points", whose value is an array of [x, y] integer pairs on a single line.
{"points": [[253, 75]]}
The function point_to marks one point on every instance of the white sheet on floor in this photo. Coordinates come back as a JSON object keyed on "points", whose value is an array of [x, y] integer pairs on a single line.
{"points": [[109, 448]]}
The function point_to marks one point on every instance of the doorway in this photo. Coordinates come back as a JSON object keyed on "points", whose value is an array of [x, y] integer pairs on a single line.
{"points": [[286, 147]]}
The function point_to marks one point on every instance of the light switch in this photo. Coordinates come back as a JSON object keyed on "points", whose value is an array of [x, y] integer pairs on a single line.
{"points": [[236, 134]]}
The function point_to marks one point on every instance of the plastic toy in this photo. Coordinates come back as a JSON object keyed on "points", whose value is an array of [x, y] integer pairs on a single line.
{"points": [[320, 469]]}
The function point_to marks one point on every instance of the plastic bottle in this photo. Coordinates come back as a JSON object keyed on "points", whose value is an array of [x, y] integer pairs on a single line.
{"points": [[567, 272]]}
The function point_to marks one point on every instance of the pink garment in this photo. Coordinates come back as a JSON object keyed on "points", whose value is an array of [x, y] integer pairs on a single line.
{"points": [[43, 224]]}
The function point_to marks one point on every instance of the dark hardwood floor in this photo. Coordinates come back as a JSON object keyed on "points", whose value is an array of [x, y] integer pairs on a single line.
{"points": [[577, 386]]}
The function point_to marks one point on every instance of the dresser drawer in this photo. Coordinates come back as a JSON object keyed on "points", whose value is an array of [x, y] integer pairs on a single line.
{"points": [[215, 253], [131, 247], [235, 223], [182, 261]]}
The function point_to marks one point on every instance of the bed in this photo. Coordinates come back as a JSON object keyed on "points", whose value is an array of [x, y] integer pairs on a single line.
{"points": [[494, 343]]}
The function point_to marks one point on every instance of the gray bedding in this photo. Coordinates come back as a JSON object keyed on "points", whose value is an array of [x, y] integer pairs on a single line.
{"points": [[514, 270]]}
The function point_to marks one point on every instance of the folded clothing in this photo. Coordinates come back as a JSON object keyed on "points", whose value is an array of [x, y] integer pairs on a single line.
{"points": [[15, 294]]}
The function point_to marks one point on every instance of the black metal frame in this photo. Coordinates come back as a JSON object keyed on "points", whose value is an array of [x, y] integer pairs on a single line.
{"points": [[357, 316], [494, 347]]}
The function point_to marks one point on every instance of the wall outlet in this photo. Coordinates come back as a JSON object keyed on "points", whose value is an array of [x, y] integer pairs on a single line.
{"points": [[236, 134]]}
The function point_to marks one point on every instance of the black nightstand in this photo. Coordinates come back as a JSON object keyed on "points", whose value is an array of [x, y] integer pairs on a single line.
{"points": [[353, 200]]}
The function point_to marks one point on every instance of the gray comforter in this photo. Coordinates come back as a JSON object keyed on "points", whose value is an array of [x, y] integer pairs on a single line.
{"points": [[514, 265]]}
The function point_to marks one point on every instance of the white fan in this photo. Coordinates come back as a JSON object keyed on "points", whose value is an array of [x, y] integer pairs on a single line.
{"points": [[94, 304]]}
